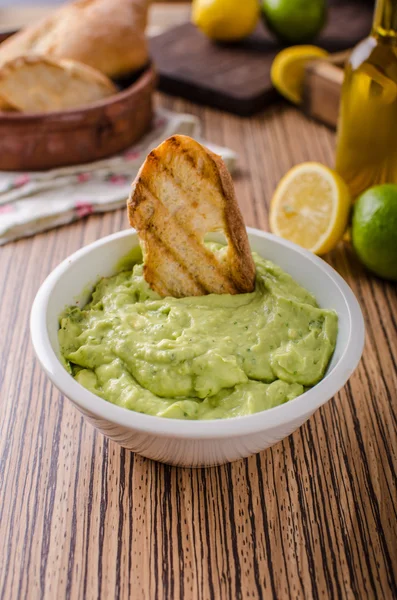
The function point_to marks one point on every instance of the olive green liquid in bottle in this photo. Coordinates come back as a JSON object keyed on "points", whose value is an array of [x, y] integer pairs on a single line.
{"points": [[366, 152]]}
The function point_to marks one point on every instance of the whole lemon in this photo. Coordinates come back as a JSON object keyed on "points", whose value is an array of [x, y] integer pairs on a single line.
{"points": [[225, 20], [374, 230]]}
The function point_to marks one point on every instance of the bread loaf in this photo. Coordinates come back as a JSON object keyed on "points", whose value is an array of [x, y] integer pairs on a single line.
{"points": [[108, 35]]}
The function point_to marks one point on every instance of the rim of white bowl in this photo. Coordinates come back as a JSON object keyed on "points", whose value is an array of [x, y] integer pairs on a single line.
{"points": [[301, 406]]}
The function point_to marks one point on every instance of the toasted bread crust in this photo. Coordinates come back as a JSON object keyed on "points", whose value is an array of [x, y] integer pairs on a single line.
{"points": [[6, 106], [182, 192]]}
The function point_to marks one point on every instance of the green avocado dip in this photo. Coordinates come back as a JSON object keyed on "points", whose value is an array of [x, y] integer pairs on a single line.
{"points": [[203, 357]]}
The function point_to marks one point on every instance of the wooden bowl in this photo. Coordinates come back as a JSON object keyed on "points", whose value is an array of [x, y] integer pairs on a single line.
{"points": [[32, 142]]}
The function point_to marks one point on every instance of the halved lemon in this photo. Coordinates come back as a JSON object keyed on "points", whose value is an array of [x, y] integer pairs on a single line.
{"points": [[288, 69], [311, 207]]}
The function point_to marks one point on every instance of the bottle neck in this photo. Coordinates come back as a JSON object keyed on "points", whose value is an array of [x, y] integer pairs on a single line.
{"points": [[385, 20]]}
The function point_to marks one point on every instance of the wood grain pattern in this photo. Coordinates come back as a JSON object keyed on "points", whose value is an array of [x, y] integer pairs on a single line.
{"points": [[313, 517]]}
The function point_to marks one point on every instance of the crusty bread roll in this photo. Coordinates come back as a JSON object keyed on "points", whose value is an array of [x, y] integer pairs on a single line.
{"points": [[108, 35], [40, 84], [4, 106]]}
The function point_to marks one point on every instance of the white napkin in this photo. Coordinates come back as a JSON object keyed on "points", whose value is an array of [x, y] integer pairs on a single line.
{"points": [[36, 201]]}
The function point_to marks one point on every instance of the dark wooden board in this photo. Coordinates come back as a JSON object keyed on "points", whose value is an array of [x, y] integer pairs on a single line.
{"points": [[236, 77]]}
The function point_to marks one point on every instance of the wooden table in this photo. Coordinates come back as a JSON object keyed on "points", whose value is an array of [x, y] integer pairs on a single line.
{"points": [[312, 517]]}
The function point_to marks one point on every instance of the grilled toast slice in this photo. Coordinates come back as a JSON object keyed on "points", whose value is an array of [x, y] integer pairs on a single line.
{"points": [[182, 192]]}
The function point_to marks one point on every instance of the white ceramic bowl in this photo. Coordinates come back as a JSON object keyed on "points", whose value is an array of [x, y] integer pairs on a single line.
{"points": [[195, 443]]}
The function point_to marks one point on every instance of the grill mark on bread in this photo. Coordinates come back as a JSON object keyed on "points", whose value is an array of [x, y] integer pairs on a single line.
{"points": [[167, 169], [159, 284], [163, 236], [182, 192]]}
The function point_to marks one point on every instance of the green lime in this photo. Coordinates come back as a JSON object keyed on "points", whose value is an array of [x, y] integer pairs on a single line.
{"points": [[374, 230], [294, 21]]}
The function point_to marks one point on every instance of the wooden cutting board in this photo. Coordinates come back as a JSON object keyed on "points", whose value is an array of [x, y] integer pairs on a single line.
{"points": [[322, 88], [236, 77]]}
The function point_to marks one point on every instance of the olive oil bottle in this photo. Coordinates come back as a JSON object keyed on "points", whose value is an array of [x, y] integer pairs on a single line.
{"points": [[366, 152]]}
